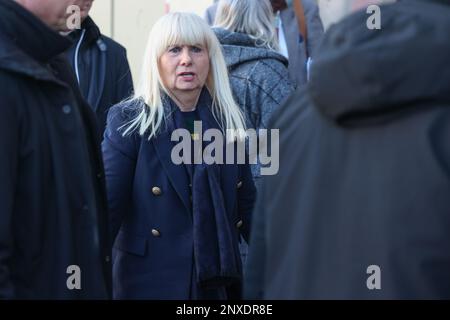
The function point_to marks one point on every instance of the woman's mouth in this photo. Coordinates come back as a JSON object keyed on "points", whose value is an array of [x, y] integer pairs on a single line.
{"points": [[187, 76]]}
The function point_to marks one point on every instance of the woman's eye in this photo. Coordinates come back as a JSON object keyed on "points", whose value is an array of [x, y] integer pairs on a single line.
{"points": [[196, 49], [174, 49]]}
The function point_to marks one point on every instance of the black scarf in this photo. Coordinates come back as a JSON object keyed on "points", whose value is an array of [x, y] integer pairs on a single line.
{"points": [[216, 251], [29, 33]]}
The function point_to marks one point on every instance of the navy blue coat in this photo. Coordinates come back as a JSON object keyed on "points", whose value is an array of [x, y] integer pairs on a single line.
{"points": [[150, 209]]}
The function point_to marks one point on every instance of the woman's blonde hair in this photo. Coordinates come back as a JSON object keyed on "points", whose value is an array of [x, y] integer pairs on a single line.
{"points": [[252, 17], [182, 29]]}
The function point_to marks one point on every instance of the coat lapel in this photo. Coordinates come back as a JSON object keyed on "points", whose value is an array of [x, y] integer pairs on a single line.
{"points": [[176, 173]]}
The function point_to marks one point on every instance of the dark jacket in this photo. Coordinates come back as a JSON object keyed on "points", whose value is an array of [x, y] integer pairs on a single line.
{"points": [[152, 203], [101, 67], [259, 79], [52, 195], [364, 167], [294, 41]]}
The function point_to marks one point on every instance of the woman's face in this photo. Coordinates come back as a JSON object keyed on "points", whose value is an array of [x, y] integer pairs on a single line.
{"points": [[184, 69]]}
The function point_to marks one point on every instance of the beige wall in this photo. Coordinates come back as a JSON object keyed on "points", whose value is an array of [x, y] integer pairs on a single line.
{"points": [[101, 13], [130, 21], [195, 6]]}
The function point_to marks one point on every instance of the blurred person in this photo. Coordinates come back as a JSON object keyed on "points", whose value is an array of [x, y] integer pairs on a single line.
{"points": [[176, 226], [332, 11], [53, 225], [210, 13], [291, 42], [258, 73], [100, 65], [360, 208]]}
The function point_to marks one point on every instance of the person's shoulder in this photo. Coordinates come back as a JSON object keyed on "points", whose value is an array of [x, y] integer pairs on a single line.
{"points": [[118, 134], [271, 69], [13, 103], [125, 111], [258, 59], [7, 76], [275, 61], [112, 44], [297, 116], [11, 84]]}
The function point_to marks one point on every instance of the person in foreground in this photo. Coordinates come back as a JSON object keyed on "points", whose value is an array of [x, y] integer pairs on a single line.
{"points": [[53, 222], [360, 208]]}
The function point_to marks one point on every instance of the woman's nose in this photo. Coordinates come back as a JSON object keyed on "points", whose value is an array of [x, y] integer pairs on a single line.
{"points": [[186, 58]]}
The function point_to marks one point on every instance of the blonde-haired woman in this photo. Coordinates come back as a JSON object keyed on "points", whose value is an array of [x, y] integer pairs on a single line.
{"points": [[176, 227]]}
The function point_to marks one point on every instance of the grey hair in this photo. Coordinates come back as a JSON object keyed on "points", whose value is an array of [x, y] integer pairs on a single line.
{"points": [[253, 17]]}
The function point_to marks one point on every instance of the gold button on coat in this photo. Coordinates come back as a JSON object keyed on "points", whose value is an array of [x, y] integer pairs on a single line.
{"points": [[239, 185], [156, 233], [239, 224], [156, 191]]}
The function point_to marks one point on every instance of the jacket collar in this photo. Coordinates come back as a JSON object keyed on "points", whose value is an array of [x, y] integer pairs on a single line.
{"points": [[29, 34], [92, 32]]}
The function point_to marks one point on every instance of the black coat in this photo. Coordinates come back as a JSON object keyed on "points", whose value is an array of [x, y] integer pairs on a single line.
{"points": [[52, 195], [101, 67], [364, 167]]}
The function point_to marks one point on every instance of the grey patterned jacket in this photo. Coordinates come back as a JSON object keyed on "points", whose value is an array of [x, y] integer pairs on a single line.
{"points": [[259, 78]]}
